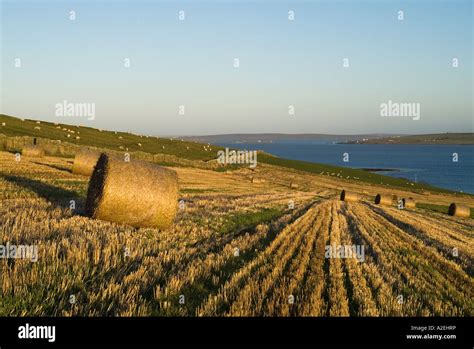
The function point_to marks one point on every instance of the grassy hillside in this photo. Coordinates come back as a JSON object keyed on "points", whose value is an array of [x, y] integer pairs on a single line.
{"points": [[89, 136]]}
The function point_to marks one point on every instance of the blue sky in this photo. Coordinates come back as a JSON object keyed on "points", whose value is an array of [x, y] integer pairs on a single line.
{"points": [[282, 63]]}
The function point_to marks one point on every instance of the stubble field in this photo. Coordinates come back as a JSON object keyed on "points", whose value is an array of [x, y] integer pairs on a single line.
{"points": [[237, 248]]}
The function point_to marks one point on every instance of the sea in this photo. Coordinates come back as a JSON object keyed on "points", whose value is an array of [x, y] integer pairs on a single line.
{"points": [[446, 166]]}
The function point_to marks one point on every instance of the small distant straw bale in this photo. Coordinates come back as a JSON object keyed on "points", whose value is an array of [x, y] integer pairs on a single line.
{"points": [[350, 196], [384, 199], [408, 203], [257, 180], [85, 161], [459, 210], [33, 151]]}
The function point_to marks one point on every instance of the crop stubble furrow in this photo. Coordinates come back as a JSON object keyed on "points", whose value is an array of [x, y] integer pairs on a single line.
{"points": [[362, 299], [443, 239], [376, 266], [410, 261], [279, 303], [338, 302], [232, 297], [312, 301]]}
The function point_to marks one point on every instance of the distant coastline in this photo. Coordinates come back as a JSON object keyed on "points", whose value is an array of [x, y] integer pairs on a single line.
{"points": [[369, 169], [238, 138], [432, 139]]}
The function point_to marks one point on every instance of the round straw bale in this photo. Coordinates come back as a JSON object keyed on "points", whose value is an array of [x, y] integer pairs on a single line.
{"points": [[459, 210], [350, 196], [33, 151], [136, 193], [384, 199], [85, 161], [409, 203], [256, 180]]}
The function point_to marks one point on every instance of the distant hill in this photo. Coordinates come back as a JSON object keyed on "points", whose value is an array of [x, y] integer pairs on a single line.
{"points": [[439, 138], [272, 137]]}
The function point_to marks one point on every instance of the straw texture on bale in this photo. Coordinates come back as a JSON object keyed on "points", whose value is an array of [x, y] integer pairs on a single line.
{"points": [[384, 199], [135, 193], [257, 180], [294, 186], [459, 210], [408, 203], [350, 196], [85, 161], [33, 151]]}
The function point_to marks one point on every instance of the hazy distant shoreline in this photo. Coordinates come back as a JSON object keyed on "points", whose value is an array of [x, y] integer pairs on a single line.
{"points": [[378, 169], [432, 139]]}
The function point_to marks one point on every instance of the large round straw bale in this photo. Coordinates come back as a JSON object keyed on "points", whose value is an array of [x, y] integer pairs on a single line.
{"points": [[408, 203], [85, 161], [350, 196], [459, 210], [33, 151], [136, 193], [384, 199]]}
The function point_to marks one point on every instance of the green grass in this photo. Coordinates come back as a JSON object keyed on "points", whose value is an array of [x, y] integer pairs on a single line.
{"points": [[228, 168], [249, 220], [106, 139], [433, 207], [196, 191], [437, 208]]}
